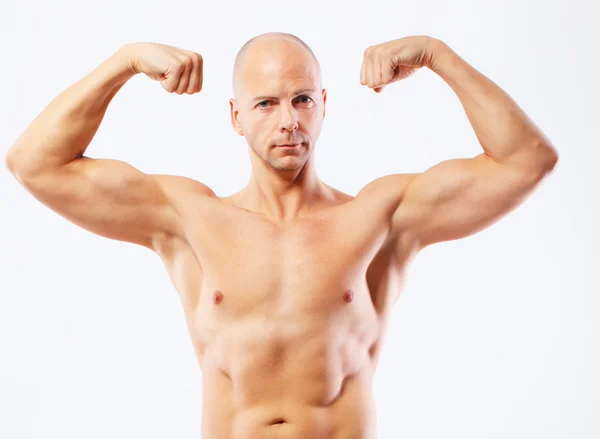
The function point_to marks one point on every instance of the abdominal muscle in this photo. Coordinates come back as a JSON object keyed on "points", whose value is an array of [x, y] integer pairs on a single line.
{"points": [[288, 378]]}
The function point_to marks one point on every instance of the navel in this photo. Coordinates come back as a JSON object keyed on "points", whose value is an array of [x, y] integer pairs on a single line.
{"points": [[217, 297], [348, 296]]}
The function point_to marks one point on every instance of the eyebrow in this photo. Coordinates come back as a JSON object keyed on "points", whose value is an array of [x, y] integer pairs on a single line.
{"points": [[297, 92]]}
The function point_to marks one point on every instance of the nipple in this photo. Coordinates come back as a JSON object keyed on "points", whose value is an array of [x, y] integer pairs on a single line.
{"points": [[348, 296], [217, 297]]}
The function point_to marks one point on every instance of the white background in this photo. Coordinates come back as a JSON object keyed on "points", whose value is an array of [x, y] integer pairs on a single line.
{"points": [[495, 336]]}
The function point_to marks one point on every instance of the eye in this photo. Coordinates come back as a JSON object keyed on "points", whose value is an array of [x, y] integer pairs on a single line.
{"points": [[305, 97], [260, 104]]}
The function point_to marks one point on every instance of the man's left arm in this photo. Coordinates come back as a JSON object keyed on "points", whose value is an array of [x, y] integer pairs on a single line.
{"points": [[459, 197]]}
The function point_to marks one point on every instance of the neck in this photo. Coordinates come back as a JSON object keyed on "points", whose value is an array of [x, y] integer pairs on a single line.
{"points": [[284, 195]]}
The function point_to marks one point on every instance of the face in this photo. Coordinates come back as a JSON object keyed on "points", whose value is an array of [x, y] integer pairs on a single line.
{"points": [[279, 101]]}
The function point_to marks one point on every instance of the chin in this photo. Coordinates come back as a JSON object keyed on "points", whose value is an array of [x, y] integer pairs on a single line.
{"points": [[287, 166], [290, 163]]}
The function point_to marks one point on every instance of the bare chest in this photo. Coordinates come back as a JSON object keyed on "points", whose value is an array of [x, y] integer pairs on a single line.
{"points": [[259, 265], [243, 278]]}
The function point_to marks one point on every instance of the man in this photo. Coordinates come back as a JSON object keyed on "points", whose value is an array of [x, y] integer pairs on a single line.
{"points": [[286, 285]]}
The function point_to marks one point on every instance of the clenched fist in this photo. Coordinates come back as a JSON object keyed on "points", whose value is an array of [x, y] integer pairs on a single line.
{"points": [[179, 71], [395, 60]]}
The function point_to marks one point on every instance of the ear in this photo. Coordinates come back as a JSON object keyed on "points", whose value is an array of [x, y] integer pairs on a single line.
{"points": [[324, 94], [234, 113]]}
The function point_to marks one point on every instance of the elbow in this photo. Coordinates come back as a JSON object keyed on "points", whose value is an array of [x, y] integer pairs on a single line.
{"points": [[549, 158], [13, 167], [541, 160], [16, 159], [536, 163], [10, 161], [537, 159], [21, 168]]}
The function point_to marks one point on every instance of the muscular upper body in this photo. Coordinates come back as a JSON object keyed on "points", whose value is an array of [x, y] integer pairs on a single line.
{"points": [[287, 319], [287, 313]]}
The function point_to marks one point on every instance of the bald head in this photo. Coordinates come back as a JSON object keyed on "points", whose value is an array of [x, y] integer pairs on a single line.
{"points": [[272, 45]]}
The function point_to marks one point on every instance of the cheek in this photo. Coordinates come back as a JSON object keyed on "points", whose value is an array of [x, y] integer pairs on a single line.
{"points": [[255, 125], [312, 119], [258, 130], [315, 113], [263, 120]]}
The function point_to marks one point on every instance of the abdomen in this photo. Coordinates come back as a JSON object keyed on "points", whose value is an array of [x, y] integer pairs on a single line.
{"points": [[300, 378], [350, 415]]}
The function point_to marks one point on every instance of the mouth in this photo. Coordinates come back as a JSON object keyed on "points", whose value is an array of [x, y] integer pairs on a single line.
{"points": [[289, 146]]}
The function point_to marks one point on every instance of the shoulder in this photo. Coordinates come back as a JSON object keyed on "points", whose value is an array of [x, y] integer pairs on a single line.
{"points": [[179, 191], [174, 184], [383, 198], [389, 189]]}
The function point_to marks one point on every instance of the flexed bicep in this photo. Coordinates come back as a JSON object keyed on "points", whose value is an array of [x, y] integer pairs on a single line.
{"points": [[107, 197], [459, 197]]}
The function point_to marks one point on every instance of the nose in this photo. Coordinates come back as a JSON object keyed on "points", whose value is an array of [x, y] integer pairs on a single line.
{"points": [[288, 119]]}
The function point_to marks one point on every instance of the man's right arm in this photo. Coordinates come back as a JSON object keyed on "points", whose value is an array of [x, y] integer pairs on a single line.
{"points": [[107, 197]]}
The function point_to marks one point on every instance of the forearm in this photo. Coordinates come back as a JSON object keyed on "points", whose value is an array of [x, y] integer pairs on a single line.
{"points": [[504, 131], [65, 128]]}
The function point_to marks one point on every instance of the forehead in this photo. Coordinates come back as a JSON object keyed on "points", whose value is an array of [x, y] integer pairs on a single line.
{"points": [[276, 67]]}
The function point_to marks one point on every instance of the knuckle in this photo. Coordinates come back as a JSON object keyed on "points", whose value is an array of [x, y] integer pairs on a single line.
{"points": [[178, 66], [371, 50]]}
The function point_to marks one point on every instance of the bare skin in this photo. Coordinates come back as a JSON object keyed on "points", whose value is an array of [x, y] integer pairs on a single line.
{"points": [[287, 285]]}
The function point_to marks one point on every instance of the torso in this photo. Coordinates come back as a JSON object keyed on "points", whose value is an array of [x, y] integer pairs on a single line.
{"points": [[287, 322]]}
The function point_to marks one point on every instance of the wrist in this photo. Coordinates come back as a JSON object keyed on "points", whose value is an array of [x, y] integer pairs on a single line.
{"points": [[113, 73], [124, 61], [439, 54]]}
